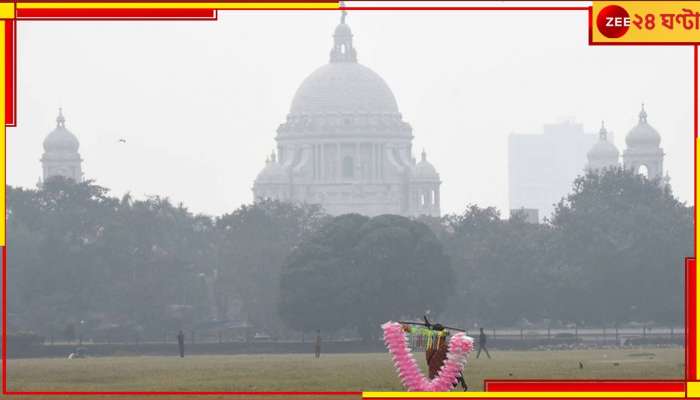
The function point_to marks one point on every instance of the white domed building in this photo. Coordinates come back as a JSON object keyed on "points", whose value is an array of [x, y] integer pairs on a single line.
{"points": [[61, 157], [644, 153], [345, 145], [604, 154]]}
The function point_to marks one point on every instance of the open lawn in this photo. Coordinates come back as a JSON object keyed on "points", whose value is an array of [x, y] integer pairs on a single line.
{"points": [[332, 372]]}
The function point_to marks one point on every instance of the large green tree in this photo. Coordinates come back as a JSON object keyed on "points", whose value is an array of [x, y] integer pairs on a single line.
{"points": [[76, 254], [51, 256], [357, 272], [622, 240], [502, 267], [612, 252], [252, 245]]}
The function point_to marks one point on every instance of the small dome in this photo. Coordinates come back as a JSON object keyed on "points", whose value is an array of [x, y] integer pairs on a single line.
{"points": [[603, 149], [643, 134], [273, 172], [342, 29], [424, 170], [61, 139]]}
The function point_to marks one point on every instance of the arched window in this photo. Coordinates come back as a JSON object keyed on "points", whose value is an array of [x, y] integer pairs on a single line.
{"points": [[432, 197], [643, 170], [422, 199], [348, 167], [342, 49]]}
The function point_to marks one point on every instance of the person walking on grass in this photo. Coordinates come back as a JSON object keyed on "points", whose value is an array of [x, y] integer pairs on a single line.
{"points": [[482, 344], [317, 346], [181, 343]]}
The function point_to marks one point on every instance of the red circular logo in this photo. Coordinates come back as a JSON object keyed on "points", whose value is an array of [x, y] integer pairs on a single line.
{"points": [[613, 21]]}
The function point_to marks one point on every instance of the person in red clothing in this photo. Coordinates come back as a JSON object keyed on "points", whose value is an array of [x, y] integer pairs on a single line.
{"points": [[435, 356]]}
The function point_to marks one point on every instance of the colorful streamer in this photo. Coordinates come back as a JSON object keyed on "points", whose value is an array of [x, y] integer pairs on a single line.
{"points": [[424, 338], [459, 347]]}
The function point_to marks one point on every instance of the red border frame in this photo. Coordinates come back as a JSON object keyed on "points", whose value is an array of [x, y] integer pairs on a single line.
{"points": [[690, 321], [10, 72], [537, 385], [211, 14], [107, 14]]}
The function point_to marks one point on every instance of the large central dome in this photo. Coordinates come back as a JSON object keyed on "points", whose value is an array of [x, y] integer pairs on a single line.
{"points": [[344, 87], [344, 145]]}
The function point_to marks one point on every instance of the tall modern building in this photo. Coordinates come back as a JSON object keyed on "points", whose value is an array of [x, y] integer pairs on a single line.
{"points": [[542, 167], [61, 157], [344, 145]]}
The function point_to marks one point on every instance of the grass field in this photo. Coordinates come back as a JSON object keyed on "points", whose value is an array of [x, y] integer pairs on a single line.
{"points": [[332, 372]]}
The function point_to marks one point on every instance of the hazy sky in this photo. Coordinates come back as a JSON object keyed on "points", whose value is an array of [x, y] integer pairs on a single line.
{"points": [[199, 102]]}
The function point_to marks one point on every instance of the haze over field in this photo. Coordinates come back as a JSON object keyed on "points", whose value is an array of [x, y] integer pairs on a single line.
{"points": [[139, 260], [199, 102]]}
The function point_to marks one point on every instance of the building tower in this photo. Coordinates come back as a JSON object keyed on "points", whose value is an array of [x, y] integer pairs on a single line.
{"points": [[61, 157], [425, 188], [272, 182], [603, 154], [644, 154], [344, 144]]}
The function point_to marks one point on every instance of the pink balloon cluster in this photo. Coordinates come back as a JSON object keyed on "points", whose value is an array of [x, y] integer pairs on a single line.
{"points": [[412, 378]]}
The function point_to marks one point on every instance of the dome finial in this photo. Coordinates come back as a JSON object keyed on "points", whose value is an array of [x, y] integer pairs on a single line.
{"points": [[603, 132], [60, 120], [423, 155], [643, 114], [342, 41], [273, 157], [343, 13]]}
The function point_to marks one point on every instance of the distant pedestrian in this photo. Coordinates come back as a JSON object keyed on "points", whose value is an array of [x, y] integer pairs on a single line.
{"points": [[482, 344], [317, 346], [181, 343]]}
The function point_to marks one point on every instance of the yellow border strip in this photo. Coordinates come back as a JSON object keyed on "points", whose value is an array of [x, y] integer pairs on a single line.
{"points": [[3, 131], [495, 395], [7, 10], [696, 390], [202, 5]]}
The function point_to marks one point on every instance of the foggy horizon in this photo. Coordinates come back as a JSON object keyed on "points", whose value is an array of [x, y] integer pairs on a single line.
{"points": [[199, 117], [417, 133]]}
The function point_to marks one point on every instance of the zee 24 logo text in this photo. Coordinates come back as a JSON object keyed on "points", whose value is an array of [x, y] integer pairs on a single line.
{"points": [[614, 21]]}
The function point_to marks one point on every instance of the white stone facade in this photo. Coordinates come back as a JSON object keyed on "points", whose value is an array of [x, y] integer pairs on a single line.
{"points": [[604, 154], [643, 153], [345, 146], [61, 157]]}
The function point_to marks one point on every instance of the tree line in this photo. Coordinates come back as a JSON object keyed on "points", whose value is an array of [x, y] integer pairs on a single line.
{"points": [[80, 259]]}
